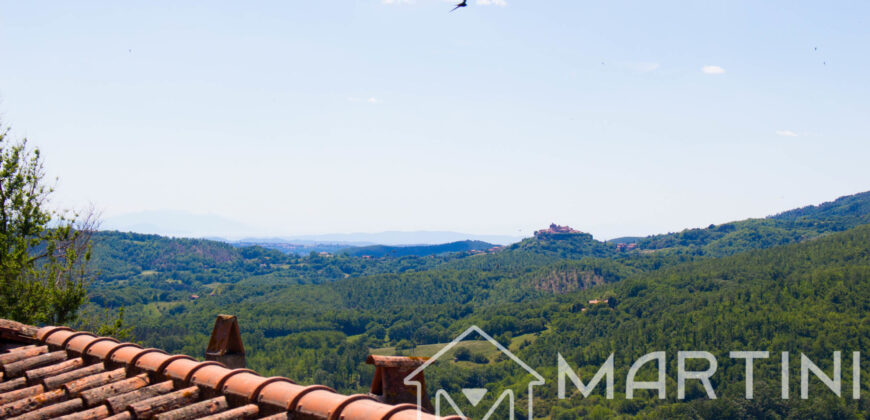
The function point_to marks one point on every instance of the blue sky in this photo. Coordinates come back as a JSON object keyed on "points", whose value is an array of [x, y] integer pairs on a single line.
{"points": [[616, 117]]}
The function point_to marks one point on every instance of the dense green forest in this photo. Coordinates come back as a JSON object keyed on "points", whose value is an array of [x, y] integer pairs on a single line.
{"points": [[418, 250], [798, 281], [138, 269], [787, 227]]}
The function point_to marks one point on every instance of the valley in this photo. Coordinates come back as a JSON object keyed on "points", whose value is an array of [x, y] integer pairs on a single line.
{"points": [[797, 281]]}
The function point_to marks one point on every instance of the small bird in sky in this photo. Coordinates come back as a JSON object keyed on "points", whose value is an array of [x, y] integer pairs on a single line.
{"points": [[463, 4]]}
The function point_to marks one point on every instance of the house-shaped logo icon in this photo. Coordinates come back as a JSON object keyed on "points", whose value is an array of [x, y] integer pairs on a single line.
{"points": [[475, 395]]}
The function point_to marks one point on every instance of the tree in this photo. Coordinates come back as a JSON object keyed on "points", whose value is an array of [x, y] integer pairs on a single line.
{"points": [[462, 354], [43, 252]]}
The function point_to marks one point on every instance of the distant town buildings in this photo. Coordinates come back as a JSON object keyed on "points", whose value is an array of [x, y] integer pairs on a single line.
{"points": [[555, 229], [485, 251], [626, 247]]}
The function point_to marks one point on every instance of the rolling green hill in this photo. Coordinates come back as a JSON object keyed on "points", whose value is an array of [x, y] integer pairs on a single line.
{"points": [[136, 268], [844, 212], [811, 298], [784, 228]]}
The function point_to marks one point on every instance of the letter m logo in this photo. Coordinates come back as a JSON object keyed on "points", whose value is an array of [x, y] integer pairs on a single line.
{"points": [[441, 394]]}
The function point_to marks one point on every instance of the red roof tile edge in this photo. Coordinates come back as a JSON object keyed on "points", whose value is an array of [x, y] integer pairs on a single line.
{"points": [[273, 395]]}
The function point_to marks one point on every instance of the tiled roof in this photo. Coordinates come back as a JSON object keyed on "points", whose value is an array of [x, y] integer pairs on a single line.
{"points": [[56, 372]]}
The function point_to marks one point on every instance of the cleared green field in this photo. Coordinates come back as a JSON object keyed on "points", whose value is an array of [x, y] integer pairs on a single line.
{"points": [[475, 346], [428, 350], [520, 341], [157, 309]]}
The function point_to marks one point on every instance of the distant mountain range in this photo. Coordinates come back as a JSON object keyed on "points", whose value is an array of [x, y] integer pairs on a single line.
{"points": [[420, 237], [209, 226], [790, 226], [177, 224]]}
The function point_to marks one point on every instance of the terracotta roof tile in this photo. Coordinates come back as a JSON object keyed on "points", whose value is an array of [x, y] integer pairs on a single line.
{"points": [[96, 413], [76, 387], [56, 372], [35, 375], [120, 402], [24, 352], [18, 394], [196, 410], [57, 381], [99, 395], [249, 411], [16, 369], [13, 384]]}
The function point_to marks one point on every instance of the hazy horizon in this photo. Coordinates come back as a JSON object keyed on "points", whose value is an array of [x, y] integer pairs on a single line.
{"points": [[183, 224]]}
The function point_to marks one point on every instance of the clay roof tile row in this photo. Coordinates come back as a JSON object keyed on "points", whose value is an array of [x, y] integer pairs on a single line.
{"points": [[56, 372]]}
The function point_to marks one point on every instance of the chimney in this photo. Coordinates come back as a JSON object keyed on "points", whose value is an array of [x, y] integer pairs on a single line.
{"points": [[225, 345], [388, 385]]}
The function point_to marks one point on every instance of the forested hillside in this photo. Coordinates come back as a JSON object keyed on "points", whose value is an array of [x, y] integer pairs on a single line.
{"points": [[378, 251], [797, 282], [137, 269], [811, 298], [787, 227], [844, 212]]}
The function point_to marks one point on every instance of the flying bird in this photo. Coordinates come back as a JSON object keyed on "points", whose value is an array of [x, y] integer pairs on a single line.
{"points": [[463, 4]]}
